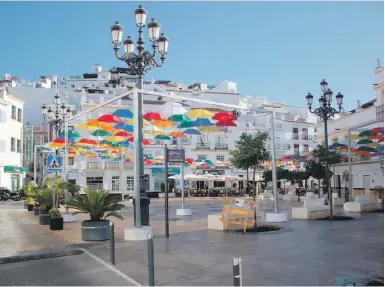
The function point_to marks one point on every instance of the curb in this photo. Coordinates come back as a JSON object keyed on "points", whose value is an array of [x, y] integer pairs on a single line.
{"points": [[40, 255]]}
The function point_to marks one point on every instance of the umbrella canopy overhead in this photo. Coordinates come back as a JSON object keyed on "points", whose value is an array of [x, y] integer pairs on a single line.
{"points": [[125, 127], [202, 122], [123, 113], [115, 139], [365, 133], [123, 134], [145, 123], [177, 135], [85, 126], [180, 118], [163, 124], [366, 148], [224, 116], [152, 116], [164, 137], [226, 123], [110, 119], [186, 124], [192, 132], [200, 113], [364, 141], [100, 133], [71, 134], [378, 130]]}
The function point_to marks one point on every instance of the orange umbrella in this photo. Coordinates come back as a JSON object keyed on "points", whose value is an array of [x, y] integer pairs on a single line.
{"points": [[177, 134], [163, 124]]}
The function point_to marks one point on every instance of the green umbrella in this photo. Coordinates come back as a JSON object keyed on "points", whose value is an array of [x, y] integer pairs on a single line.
{"points": [[366, 133], [364, 141], [100, 133], [186, 124], [180, 118], [71, 134], [209, 162], [159, 137], [148, 156]]}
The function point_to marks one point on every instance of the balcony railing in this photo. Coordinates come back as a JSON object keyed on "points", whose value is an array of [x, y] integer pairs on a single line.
{"points": [[221, 146], [111, 165], [203, 146]]}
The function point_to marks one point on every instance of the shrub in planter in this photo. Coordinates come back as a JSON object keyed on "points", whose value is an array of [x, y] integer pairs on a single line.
{"points": [[99, 205], [55, 220], [30, 203], [43, 215]]}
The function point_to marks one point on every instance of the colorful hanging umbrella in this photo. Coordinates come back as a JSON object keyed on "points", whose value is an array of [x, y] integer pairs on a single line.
{"points": [[115, 139], [363, 153], [224, 116], [186, 124], [364, 141], [85, 126], [71, 134], [212, 129], [202, 122], [378, 130], [122, 144], [145, 123], [125, 127], [123, 113], [192, 132], [163, 124], [225, 123], [209, 162], [200, 113], [152, 116], [146, 142], [101, 125], [374, 145], [179, 118], [365, 133], [100, 133], [366, 148], [189, 160], [156, 132], [353, 136], [378, 138], [177, 135], [88, 141], [163, 138], [110, 119], [123, 134]]}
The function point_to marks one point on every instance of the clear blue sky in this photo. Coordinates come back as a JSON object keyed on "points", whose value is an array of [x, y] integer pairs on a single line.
{"points": [[268, 46]]}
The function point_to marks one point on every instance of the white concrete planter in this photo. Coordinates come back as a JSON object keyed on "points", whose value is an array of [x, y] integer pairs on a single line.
{"points": [[380, 200]]}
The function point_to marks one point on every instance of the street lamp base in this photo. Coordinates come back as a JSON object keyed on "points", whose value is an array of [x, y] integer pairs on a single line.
{"points": [[144, 210], [184, 211], [138, 233], [276, 217], [69, 218]]}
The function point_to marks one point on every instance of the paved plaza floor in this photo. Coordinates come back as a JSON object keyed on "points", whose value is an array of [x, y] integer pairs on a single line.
{"points": [[301, 253]]}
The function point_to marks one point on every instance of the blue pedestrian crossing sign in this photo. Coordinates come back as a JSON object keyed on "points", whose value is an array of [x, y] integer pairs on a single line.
{"points": [[54, 163]]}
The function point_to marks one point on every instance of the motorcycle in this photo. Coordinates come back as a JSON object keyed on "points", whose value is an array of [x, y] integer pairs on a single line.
{"points": [[5, 194]]}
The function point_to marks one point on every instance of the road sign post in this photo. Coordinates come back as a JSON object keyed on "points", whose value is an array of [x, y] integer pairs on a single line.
{"points": [[54, 163]]}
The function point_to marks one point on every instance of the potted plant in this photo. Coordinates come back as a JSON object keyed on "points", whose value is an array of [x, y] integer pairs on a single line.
{"points": [[46, 204], [30, 203], [99, 205], [55, 219]]}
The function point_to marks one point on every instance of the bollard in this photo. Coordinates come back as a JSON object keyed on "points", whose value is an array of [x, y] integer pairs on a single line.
{"points": [[112, 243], [150, 255], [237, 272]]}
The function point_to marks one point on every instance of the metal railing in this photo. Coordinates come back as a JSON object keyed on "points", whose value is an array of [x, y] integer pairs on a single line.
{"points": [[203, 146], [221, 146]]}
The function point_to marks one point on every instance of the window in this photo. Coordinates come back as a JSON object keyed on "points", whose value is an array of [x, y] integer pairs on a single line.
{"points": [[174, 140], [3, 117], [202, 157], [2, 145], [12, 144], [220, 158], [19, 115], [71, 161], [219, 184], [18, 146], [130, 183], [306, 148], [115, 183], [95, 182], [296, 149], [13, 113], [185, 141]]}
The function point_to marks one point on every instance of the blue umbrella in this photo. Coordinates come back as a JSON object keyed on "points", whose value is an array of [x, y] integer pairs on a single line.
{"points": [[202, 123], [122, 144], [123, 113], [192, 132], [126, 127]]}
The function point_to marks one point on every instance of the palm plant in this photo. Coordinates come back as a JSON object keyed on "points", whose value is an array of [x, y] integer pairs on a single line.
{"points": [[46, 199], [55, 185], [97, 203]]}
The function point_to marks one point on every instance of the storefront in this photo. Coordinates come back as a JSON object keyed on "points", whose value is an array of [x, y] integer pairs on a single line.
{"points": [[13, 176]]}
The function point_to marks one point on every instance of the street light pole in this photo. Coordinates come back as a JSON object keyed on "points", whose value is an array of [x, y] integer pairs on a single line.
{"points": [[325, 111], [140, 63]]}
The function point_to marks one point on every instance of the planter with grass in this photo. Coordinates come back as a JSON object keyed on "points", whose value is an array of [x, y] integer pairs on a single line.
{"points": [[55, 220], [43, 215], [30, 204], [46, 205], [99, 205]]}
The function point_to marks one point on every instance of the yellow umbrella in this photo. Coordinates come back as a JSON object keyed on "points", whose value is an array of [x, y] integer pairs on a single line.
{"points": [[353, 136], [373, 145], [56, 145], [163, 124], [157, 132], [200, 113], [115, 139], [209, 129], [84, 126], [102, 125], [145, 123]]}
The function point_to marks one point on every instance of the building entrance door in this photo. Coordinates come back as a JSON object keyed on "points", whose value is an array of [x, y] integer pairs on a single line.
{"points": [[366, 181], [15, 181]]}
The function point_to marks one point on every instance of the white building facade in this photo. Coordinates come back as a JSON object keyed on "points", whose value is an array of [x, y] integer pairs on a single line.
{"points": [[12, 172]]}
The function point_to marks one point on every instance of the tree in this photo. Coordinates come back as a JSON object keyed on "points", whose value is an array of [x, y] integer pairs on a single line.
{"points": [[250, 151]]}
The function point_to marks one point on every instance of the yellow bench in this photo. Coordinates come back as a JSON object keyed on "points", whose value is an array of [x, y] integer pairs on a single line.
{"points": [[238, 215]]}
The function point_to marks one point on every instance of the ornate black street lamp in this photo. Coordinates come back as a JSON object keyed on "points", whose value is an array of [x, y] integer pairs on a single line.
{"points": [[139, 63], [326, 111]]}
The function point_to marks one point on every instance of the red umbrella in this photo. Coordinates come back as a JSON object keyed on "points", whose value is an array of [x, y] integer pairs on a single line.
{"points": [[110, 119], [379, 138], [226, 123], [130, 139], [123, 134], [379, 130], [146, 142], [88, 141], [152, 116], [127, 160], [189, 160], [224, 116]]}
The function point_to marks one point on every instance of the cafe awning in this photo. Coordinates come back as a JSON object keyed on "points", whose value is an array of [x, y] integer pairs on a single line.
{"points": [[14, 169]]}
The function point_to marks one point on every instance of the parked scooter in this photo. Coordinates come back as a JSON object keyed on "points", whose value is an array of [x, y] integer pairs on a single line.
{"points": [[5, 194]]}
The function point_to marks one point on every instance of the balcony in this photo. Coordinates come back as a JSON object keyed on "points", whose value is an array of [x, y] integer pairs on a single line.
{"points": [[111, 165], [203, 146], [304, 138], [294, 137], [221, 146]]}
